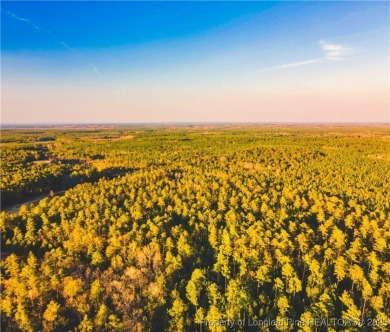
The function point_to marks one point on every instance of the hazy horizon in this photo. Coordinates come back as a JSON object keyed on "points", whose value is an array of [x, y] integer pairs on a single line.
{"points": [[195, 62], [183, 123]]}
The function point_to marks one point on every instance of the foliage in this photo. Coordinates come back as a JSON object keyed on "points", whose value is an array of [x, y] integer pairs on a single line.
{"points": [[175, 226]]}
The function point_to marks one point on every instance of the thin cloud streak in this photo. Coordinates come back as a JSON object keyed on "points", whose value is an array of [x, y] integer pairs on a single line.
{"points": [[94, 68], [25, 20], [66, 45], [300, 63], [53, 37], [293, 64]]}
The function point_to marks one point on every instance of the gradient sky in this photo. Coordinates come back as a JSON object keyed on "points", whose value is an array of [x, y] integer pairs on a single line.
{"points": [[99, 62]]}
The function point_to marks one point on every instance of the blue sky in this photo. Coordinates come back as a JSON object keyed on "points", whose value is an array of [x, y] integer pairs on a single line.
{"points": [[195, 61]]}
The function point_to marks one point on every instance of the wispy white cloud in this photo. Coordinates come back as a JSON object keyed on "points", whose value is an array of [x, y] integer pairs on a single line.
{"points": [[52, 36], [335, 52], [332, 52]]}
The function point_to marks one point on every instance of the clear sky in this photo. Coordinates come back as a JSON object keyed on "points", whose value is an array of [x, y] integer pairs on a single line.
{"points": [[99, 62]]}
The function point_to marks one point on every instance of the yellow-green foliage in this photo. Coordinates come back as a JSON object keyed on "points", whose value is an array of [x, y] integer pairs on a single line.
{"points": [[177, 226]]}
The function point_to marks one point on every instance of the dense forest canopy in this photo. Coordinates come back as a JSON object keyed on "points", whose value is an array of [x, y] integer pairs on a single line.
{"points": [[195, 228]]}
